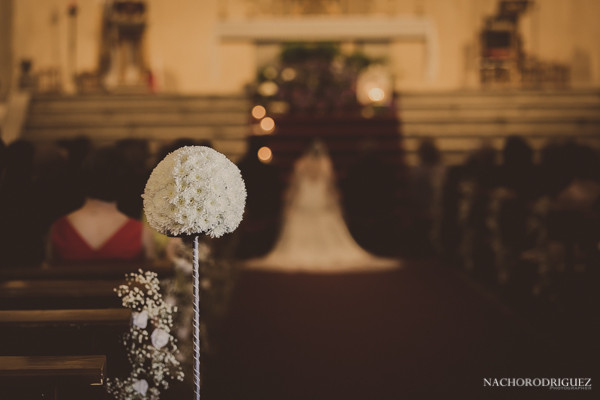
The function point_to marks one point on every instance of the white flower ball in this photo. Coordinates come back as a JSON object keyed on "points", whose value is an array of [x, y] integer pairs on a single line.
{"points": [[193, 190], [160, 338], [140, 319], [140, 386]]}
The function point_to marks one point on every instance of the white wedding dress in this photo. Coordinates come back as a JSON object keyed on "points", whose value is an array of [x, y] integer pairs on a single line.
{"points": [[314, 236]]}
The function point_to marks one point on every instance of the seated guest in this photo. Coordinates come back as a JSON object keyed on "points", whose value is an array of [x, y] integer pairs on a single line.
{"points": [[425, 192], [98, 230], [21, 223], [137, 153]]}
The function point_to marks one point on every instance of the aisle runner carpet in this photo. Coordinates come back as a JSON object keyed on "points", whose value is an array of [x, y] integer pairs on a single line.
{"points": [[418, 332]]}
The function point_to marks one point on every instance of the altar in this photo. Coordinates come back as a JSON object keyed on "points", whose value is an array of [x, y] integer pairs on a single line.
{"points": [[360, 30]]}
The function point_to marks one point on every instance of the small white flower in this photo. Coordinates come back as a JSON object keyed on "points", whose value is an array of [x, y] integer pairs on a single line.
{"points": [[140, 386], [142, 292], [160, 338], [140, 319]]}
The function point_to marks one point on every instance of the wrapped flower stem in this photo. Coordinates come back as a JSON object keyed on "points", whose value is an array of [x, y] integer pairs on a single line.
{"points": [[196, 347], [191, 191]]}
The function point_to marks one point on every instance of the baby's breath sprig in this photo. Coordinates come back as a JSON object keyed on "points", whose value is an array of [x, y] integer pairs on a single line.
{"points": [[151, 349]]}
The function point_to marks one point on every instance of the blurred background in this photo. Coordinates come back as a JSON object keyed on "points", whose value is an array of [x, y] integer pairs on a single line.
{"points": [[464, 136]]}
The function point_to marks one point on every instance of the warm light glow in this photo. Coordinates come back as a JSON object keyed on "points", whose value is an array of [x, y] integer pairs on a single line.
{"points": [[258, 112], [279, 107], [268, 88], [270, 72], [367, 112], [376, 94], [288, 74], [265, 154], [267, 124], [374, 86]]}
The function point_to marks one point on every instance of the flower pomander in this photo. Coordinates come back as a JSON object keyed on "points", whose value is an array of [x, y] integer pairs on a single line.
{"points": [[193, 190]]}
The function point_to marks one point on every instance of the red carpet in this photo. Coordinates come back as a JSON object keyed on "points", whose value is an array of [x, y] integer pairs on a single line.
{"points": [[418, 332]]}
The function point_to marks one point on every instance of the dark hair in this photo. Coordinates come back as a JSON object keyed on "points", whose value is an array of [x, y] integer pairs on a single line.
{"points": [[177, 144], [77, 149], [19, 161], [104, 174], [585, 162], [428, 152], [517, 152]]}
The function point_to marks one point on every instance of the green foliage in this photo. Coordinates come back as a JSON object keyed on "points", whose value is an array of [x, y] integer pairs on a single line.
{"points": [[294, 53], [312, 77]]}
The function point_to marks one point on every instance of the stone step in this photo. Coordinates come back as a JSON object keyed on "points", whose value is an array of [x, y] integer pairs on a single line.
{"points": [[43, 111], [159, 119], [495, 100], [457, 120], [141, 118], [148, 98], [492, 128], [76, 104], [150, 132], [482, 114], [458, 144]]}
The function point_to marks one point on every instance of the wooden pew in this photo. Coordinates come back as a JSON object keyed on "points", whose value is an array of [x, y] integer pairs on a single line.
{"points": [[83, 369], [66, 332], [62, 318], [96, 270], [21, 376], [58, 294]]}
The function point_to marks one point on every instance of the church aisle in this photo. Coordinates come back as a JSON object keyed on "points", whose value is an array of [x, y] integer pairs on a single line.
{"points": [[418, 332]]}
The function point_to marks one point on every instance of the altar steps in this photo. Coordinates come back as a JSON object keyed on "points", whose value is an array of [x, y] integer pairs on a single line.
{"points": [[157, 118], [459, 121]]}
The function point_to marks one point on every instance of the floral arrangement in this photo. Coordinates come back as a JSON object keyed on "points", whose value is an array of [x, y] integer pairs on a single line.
{"points": [[151, 349], [192, 190], [309, 78]]}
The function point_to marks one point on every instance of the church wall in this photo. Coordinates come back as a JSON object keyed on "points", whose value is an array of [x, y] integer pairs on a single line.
{"points": [[186, 55], [5, 48], [566, 32], [457, 23], [41, 33]]}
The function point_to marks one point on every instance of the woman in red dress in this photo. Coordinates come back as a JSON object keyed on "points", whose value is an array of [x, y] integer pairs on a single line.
{"points": [[98, 230]]}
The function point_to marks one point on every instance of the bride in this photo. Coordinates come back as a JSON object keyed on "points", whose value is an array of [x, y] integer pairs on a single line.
{"points": [[314, 236]]}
